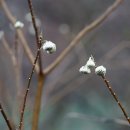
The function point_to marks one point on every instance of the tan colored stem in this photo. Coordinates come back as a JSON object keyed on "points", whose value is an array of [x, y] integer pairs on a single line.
{"points": [[37, 103], [20, 33], [8, 49], [14, 61], [83, 33]]}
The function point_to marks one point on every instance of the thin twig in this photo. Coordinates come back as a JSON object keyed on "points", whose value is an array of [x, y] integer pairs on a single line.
{"points": [[20, 33], [8, 49], [28, 87], [37, 103], [116, 98], [5, 117], [16, 38], [27, 90], [81, 34], [15, 64], [36, 31], [14, 60]]}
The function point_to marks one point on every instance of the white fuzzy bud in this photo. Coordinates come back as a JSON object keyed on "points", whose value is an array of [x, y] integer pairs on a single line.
{"points": [[85, 70], [100, 70], [49, 47], [1, 34], [90, 63], [18, 24]]}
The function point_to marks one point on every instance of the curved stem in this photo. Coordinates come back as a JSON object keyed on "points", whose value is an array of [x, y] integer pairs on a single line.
{"points": [[81, 34], [20, 33]]}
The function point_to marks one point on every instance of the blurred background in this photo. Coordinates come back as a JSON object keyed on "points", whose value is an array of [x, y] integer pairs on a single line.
{"points": [[70, 101]]}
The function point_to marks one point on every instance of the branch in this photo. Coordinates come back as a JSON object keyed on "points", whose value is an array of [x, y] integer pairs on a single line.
{"points": [[36, 31], [80, 81], [81, 34], [5, 117], [21, 35], [13, 59], [37, 102], [116, 98], [28, 88], [8, 49], [16, 39]]}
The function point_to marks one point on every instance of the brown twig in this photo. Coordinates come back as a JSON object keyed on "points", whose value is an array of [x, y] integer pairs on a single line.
{"points": [[16, 67], [36, 31], [28, 87], [5, 117], [16, 38], [21, 35], [27, 90], [115, 97], [37, 103], [81, 34]]}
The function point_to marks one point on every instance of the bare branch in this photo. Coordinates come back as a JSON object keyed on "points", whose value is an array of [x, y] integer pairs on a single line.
{"points": [[37, 102], [83, 33], [116, 98], [79, 81], [28, 85], [36, 31], [5, 117], [27, 90], [6, 46], [21, 35], [16, 38]]}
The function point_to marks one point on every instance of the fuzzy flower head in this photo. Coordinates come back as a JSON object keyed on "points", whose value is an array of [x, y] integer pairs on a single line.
{"points": [[18, 24], [1, 34], [90, 63], [49, 47], [100, 70], [85, 70]]}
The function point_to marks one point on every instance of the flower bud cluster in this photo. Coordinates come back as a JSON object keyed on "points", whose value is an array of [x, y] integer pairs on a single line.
{"points": [[86, 69]]}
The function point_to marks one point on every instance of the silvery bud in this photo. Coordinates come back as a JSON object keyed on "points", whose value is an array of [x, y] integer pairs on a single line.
{"points": [[90, 63], [85, 70], [100, 70], [18, 24], [49, 47]]}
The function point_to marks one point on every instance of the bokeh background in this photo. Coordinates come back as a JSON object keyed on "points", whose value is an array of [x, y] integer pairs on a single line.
{"points": [[70, 101]]}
